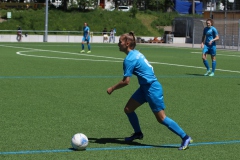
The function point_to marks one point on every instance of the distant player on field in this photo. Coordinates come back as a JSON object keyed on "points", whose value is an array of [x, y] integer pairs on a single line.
{"points": [[112, 36], [86, 37], [210, 35], [150, 91], [19, 34]]}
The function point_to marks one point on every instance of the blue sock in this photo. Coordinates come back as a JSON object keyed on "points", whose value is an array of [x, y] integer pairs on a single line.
{"points": [[205, 62], [174, 127], [133, 119], [89, 47], [214, 63], [82, 46]]}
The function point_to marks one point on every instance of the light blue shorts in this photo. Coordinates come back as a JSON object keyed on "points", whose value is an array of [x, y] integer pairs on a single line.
{"points": [[209, 50], [153, 94], [86, 39]]}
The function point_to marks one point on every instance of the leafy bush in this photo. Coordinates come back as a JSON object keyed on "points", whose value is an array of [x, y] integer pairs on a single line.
{"points": [[73, 21], [164, 19]]}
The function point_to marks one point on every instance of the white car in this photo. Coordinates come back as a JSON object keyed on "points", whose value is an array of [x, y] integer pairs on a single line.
{"points": [[124, 8]]}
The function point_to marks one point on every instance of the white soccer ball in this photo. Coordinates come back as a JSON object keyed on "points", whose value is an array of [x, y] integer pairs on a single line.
{"points": [[79, 141]]}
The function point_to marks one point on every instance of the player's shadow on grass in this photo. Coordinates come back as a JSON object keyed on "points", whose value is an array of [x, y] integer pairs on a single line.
{"points": [[191, 74], [72, 149], [121, 141]]}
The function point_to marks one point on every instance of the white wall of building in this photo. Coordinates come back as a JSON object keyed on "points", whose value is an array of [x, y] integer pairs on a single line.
{"points": [[71, 39]]}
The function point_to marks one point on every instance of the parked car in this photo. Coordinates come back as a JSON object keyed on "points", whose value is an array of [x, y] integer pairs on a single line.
{"points": [[124, 8]]}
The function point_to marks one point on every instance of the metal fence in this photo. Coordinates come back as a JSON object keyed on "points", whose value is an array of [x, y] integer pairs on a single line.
{"points": [[192, 28], [41, 32], [228, 32], [51, 36]]}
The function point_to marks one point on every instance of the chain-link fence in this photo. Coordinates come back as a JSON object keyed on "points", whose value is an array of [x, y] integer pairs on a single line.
{"points": [[192, 28]]}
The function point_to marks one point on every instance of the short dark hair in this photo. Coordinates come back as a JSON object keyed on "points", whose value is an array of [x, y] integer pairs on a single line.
{"points": [[211, 20]]}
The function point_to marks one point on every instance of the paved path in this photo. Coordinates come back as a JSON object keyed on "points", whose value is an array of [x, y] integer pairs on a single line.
{"points": [[188, 45]]}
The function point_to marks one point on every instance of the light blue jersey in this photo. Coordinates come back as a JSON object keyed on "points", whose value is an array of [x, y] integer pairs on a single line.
{"points": [[86, 36], [210, 34], [136, 63], [150, 89]]}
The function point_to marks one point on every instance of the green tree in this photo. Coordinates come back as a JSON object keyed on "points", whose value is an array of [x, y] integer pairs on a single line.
{"points": [[158, 5], [134, 9]]}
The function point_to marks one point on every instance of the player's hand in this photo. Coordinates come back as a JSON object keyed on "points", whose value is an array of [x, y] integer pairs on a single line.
{"points": [[210, 43], [110, 90]]}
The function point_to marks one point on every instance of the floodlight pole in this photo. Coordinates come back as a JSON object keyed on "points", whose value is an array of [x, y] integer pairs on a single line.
{"points": [[225, 24], [46, 23], [193, 33], [211, 10], [238, 33], [193, 7]]}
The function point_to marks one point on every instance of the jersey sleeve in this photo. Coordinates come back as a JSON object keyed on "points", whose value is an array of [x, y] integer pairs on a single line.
{"points": [[215, 32], [128, 67]]}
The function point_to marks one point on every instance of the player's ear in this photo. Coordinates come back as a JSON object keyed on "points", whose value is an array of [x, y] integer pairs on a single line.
{"points": [[127, 43]]}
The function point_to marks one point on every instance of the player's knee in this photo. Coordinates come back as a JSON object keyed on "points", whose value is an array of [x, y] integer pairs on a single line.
{"points": [[204, 58], [214, 58], [160, 116], [127, 110], [160, 120]]}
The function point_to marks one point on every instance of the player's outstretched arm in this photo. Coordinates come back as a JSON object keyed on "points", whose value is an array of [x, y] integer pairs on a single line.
{"points": [[124, 82]]}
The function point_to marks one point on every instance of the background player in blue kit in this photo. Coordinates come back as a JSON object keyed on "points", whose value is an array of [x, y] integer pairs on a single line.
{"points": [[86, 37], [150, 91], [210, 35]]}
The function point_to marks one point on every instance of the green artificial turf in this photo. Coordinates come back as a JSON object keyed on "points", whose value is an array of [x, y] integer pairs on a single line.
{"points": [[50, 91]]}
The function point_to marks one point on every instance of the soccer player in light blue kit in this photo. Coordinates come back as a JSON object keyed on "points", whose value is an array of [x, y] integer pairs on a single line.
{"points": [[210, 35], [86, 37], [150, 91]]}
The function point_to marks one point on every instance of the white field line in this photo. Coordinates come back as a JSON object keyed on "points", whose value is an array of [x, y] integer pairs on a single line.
{"points": [[112, 59], [227, 55], [76, 59]]}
